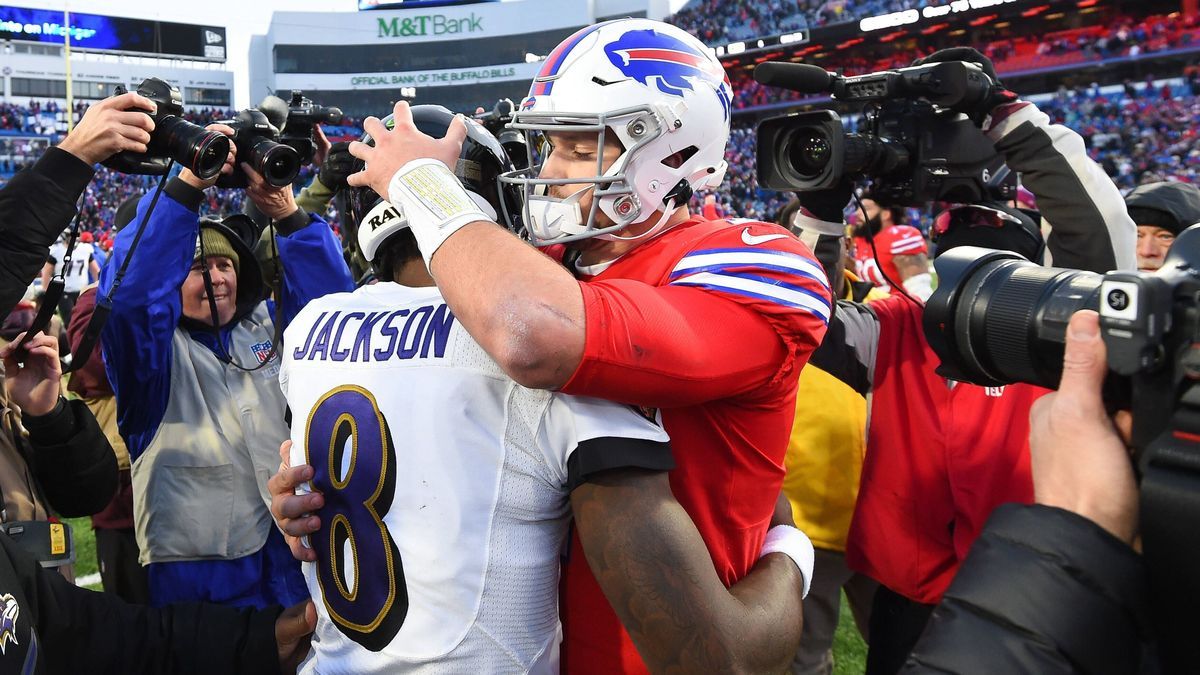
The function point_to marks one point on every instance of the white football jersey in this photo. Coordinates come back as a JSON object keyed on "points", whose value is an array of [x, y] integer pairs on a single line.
{"points": [[77, 277], [446, 487]]}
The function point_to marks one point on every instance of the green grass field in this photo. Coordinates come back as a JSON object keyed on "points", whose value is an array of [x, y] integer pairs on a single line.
{"points": [[85, 548], [849, 650]]}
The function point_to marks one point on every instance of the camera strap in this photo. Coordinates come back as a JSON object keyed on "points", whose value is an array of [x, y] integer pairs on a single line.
{"points": [[91, 334], [53, 291], [1170, 525]]}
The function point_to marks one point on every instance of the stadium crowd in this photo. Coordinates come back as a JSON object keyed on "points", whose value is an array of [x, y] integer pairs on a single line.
{"points": [[1009, 54], [411, 399]]}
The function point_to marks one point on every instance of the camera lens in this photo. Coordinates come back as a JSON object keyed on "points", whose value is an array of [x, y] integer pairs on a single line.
{"points": [[203, 152], [997, 318], [277, 163], [809, 151]]}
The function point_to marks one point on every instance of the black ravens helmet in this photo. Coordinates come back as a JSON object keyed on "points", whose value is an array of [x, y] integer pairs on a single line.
{"points": [[370, 220]]}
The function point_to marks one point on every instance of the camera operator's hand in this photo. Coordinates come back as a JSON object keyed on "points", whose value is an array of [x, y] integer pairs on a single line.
{"points": [[195, 181], [996, 96], [321, 145], [34, 387], [111, 126], [827, 205], [276, 203], [401, 145], [1079, 461], [337, 167]]}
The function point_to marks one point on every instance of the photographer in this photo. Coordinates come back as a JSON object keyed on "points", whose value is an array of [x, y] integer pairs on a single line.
{"points": [[194, 371], [926, 492], [39, 203], [1055, 587]]}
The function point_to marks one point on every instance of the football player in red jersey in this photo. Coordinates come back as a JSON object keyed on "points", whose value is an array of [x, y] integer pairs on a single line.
{"points": [[705, 321]]}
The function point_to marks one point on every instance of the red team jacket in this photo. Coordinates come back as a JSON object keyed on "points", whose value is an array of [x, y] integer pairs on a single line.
{"points": [[710, 323], [940, 458]]}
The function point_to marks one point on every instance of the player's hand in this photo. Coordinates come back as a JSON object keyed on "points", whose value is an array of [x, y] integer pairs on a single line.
{"points": [[276, 203], [293, 633], [1079, 461], [34, 387], [111, 126], [195, 181], [401, 145], [293, 512]]}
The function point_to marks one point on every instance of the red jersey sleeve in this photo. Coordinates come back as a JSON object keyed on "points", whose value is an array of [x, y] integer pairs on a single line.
{"points": [[729, 319]]}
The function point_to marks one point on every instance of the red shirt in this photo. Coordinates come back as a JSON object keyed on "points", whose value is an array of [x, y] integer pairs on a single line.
{"points": [[709, 322], [940, 458]]}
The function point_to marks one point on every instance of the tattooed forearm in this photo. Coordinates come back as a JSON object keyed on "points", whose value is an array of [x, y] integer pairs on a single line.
{"points": [[656, 572]]}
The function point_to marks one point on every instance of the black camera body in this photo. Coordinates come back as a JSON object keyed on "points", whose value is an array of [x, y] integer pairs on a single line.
{"points": [[300, 128], [257, 142], [174, 138], [997, 318], [496, 121], [914, 146]]}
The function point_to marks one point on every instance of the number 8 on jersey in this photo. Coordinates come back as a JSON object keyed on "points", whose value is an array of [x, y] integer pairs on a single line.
{"points": [[349, 446]]}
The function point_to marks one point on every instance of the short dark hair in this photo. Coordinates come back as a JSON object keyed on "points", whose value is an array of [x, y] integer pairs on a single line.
{"points": [[394, 252]]}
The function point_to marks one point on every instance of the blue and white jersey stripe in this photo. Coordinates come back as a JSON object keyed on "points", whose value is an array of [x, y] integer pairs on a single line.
{"points": [[741, 271], [721, 259]]}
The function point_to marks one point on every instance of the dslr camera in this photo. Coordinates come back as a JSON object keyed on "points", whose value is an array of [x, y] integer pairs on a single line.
{"points": [[301, 118], [258, 145], [997, 318], [914, 145], [203, 152]]}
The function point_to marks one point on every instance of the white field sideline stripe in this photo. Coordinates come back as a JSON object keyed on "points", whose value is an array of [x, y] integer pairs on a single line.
{"points": [[785, 295], [751, 259], [88, 580]]}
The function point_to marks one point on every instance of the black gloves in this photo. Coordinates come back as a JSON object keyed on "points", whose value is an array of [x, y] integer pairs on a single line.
{"points": [[337, 167], [996, 96], [828, 204]]}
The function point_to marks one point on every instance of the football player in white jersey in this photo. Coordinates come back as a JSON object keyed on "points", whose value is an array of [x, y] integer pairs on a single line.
{"points": [[445, 489], [83, 268]]}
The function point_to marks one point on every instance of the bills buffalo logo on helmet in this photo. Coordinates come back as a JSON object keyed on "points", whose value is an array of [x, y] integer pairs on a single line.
{"points": [[669, 64]]}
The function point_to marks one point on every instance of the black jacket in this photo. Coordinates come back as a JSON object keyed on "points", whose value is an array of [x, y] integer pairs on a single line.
{"points": [[48, 625], [35, 207], [1044, 591], [72, 460]]}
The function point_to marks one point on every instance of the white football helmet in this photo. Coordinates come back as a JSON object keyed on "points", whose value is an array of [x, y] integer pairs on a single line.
{"points": [[655, 88]]}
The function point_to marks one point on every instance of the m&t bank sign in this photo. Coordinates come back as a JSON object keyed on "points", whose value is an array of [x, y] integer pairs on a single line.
{"points": [[428, 24]]}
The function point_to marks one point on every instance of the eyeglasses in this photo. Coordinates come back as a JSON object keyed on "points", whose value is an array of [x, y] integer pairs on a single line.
{"points": [[970, 215]]}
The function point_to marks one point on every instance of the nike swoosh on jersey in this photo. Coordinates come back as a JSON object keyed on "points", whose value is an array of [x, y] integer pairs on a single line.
{"points": [[752, 240]]}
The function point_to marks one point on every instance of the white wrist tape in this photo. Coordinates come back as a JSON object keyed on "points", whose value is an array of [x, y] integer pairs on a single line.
{"points": [[920, 285], [794, 544], [434, 202]]}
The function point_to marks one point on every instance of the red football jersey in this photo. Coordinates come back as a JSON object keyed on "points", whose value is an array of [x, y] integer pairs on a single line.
{"points": [[710, 323], [941, 457]]}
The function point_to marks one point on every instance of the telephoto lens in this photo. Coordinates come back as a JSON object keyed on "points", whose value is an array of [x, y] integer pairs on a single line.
{"points": [[203, 152], [997, 318]]}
